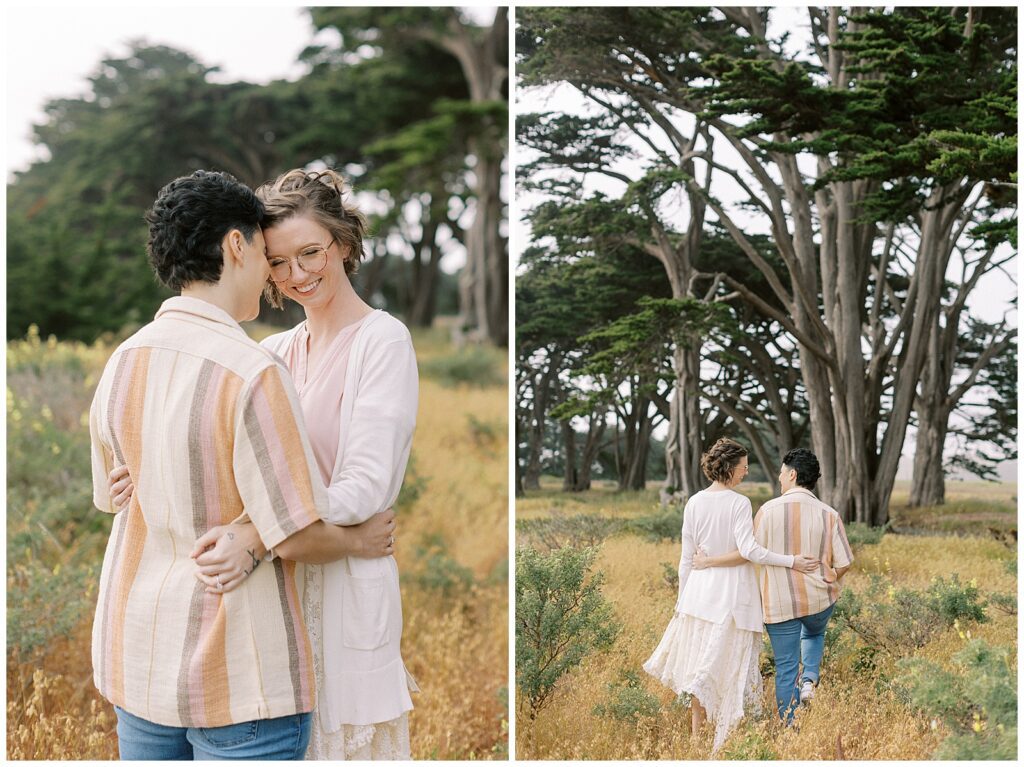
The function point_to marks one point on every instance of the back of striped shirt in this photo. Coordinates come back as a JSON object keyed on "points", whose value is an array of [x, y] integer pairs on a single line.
{"points": [[798, 523], [208, 424]]}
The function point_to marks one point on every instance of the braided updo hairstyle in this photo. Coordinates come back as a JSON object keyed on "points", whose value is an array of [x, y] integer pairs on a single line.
{"points": [[721, 459], [317, 194]]}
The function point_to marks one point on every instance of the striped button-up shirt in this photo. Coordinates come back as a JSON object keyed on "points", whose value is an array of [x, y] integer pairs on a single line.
{"points": [[209, 426], [798, 523]]}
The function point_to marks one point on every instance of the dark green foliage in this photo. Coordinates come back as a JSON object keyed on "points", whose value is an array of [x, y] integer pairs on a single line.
{"points": [[670, 575], [437, 570], [664, 524], [752, 745], [628, 700], [470, 366], [561, 617], [558, 531], [977, 700], [861, 534], [413, 486], [1004, 602], [898, 620]]}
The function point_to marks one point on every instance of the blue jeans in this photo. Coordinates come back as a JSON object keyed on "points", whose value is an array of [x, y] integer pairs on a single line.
{"points": [[284, 738], [792, 641]]}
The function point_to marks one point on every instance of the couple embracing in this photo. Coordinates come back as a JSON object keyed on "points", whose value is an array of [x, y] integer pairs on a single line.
{"points": [[228, 464], [711, 646]]}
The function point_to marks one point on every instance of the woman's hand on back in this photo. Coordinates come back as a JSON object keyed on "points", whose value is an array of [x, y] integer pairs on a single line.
{"points": [[227, 555], [805, 564], [700, 559], [121, 487]]}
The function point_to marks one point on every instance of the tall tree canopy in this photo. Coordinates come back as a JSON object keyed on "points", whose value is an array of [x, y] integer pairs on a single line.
{"points": [[399, 120], [876, 154]]}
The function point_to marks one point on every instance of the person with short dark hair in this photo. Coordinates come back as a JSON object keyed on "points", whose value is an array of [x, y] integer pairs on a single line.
{"points": [[354, 368], [711, 646], [208, 426], [797, 605]]}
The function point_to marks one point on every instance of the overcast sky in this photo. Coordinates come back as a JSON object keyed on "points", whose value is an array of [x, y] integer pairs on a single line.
{"points": [[47, 60]]}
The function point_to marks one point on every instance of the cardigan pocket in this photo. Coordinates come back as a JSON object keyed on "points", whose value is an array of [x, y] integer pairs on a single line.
{"points": [[364, 613]]}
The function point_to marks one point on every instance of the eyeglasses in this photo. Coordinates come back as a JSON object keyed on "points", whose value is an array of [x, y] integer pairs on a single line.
{"points": [[312, 259]]}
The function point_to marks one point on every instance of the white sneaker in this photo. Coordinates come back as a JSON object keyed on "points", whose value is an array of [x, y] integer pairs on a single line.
{"points": [[807, 692]]}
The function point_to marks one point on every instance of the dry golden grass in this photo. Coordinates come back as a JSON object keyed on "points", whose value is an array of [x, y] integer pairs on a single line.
{"points": [[455, 645], [850, 719]]}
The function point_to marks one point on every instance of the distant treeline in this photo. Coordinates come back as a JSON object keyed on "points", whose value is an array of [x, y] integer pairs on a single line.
{"points": [[411, 105]]}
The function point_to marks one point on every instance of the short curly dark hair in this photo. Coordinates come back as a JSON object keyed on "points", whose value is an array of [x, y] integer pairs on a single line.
{"points": [[721, 459], [188, 221], [806, 465]]}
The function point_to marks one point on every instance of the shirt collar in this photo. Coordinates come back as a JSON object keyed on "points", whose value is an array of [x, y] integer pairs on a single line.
{"points": [[197, 307], [799, 489]]}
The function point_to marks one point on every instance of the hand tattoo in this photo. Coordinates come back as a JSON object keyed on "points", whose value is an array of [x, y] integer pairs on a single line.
{"points": [[255, 561], [231, 536]]}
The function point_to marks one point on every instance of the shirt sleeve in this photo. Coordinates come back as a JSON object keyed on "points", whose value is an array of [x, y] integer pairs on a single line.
{"points": [[102, 460], [378, 436], [688, 550], [274, 468], [842, 554], [750, 549]]}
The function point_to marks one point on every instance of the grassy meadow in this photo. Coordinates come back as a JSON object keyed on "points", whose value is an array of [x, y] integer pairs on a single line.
{"points": [[608, 708], [452, 553]]}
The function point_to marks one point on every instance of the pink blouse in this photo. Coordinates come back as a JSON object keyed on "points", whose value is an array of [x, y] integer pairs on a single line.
{"points": [[320, 391]]}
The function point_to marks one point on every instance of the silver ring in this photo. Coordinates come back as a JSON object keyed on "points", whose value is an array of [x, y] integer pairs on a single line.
{"points": [[219, 584]]}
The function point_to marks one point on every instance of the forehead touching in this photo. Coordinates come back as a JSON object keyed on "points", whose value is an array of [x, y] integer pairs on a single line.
{"points": [[294, 233]]}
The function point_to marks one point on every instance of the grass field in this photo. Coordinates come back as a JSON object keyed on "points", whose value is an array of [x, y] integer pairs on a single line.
{"points": [[859, 712], [452, 554]]}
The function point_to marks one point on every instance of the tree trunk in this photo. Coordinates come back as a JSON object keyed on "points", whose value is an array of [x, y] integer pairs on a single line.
{"points": [[598, 423], [928, 484], [423, 287], [569, 450]]}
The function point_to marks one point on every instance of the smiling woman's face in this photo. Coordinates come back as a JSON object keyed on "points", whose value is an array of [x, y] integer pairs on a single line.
{"points": [[303, 236]]}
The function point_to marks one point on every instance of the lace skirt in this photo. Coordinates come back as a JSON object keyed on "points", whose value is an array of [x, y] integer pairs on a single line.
{"points": [[385, 741], [715, 662]]}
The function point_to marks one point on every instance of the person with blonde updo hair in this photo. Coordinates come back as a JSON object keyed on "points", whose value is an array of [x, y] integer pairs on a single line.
{"points": [[711, 646], [355, 372]]}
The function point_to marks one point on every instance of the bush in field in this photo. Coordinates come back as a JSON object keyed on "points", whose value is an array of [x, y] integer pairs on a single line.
{"points": [[895, 620], [561, 616], [862, 534], [472, 366], [578, 530], [977, 700], [437, 570], [628, 699], [55, 537], [666, 523]]}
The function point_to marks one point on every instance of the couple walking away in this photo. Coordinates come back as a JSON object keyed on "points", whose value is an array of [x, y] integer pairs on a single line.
{"points": [[711, 646], [228, 464]]}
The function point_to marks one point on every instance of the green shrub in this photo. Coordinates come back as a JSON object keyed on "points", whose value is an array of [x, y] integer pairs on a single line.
{"points": [[670, 575], [896, 620], [753, 745], [470, 366], [559, 530], [666, 523], [862, 534], [628, 699], [561, 617], [977, 700], [438, 571], [413, 486], [1004, 602]]}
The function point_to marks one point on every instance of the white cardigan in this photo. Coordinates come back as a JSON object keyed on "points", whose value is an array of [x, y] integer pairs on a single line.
{"points": [[720, 521], [365, 681]]}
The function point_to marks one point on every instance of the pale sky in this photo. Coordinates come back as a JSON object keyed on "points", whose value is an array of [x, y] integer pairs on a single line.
{"points": [[50, 51]]}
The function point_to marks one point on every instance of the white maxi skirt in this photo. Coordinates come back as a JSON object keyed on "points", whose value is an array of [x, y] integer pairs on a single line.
{"points": [[715, 662]]}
